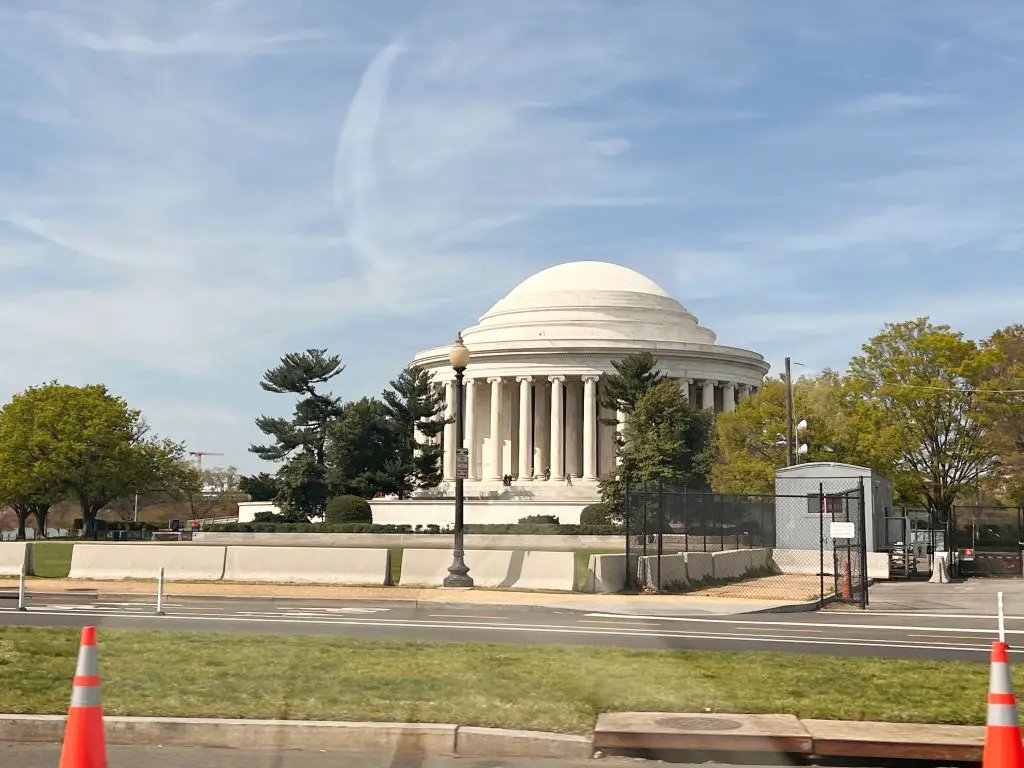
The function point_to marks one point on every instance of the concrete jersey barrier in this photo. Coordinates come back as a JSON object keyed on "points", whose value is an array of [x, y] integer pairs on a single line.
{"points": [[15, 555], [493, 568], [181, 562], [308, 565], [411, 540]]}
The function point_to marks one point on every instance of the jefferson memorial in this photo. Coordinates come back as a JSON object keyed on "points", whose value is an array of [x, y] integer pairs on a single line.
{"points": [[533, 384]]}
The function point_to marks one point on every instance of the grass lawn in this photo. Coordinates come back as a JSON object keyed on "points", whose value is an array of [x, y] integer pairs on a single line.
{"points": [[555, 688], [51, 559]]}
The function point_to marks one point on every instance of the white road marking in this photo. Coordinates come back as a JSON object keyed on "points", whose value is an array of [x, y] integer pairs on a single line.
{"points": [[826, 624], [915, 614], [594, 631]]}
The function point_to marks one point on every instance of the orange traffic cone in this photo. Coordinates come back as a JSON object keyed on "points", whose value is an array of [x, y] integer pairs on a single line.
{"points": [[1003, 745], [84, 744]]}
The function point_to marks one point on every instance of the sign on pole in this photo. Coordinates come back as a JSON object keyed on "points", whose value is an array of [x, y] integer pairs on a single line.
{"points": [[841, 530], [462, 463]]}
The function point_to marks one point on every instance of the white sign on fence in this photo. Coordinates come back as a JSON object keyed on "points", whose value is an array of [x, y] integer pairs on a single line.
{"points": [[841, 530]]}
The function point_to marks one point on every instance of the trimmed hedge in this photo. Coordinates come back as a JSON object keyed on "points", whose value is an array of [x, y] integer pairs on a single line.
{"points": [[493, 528], [597, 514], [348, 509]]}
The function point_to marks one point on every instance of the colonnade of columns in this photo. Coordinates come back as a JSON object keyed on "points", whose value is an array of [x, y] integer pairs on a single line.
{"points": [[540, 427]]}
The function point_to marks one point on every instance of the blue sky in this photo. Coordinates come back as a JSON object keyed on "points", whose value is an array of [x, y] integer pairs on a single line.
{"points": [[188, 190]]}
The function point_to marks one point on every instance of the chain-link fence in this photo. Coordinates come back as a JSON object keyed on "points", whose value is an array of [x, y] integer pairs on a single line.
{"points": [[795, 545]]}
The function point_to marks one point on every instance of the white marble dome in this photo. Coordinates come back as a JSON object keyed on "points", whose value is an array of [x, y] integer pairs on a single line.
{"points": [[587, 301]]}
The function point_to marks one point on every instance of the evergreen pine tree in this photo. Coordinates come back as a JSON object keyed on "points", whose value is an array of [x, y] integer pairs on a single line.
{"points": [[415, 406]]}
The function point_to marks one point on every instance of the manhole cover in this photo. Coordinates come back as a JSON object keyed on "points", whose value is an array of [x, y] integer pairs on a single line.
{"points": [[699, 724]]}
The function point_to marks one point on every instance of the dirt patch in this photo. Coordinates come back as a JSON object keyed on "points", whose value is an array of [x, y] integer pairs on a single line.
{"points": [[787, 587]]}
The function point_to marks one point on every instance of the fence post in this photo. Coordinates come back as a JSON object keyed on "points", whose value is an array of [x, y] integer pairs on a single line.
{"points": [[686, 525], [821, 539], [704, 522], [630, 579], [661, 526], [863, 547]]}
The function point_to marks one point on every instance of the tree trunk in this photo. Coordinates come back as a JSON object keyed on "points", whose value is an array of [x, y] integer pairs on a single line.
{"points": [[89, 513], [40, 513], [22, 514]]}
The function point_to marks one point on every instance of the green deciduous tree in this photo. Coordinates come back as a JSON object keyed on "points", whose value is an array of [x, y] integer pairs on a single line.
{"points": [[414, 407], [27, 480], [362, 450], [751, 442], [841, 427], [92, 446], [1006, 412], [926, 380]]}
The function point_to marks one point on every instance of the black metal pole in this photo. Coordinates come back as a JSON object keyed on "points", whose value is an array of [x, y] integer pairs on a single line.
{"points": [[458, 571], [790, 439], [821, 541]]}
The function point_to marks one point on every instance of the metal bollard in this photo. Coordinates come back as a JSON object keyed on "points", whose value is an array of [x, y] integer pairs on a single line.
{"points": [[160, 594], [21, 589]]}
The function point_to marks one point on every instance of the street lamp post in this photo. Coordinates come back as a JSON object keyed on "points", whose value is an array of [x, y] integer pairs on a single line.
{"points": [[458, 571]]}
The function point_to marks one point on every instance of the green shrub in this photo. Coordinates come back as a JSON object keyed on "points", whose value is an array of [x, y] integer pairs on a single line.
{"points": [[348, 509], [538, 520], [596, 514]]}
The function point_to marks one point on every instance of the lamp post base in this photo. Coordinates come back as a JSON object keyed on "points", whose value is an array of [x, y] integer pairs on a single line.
{"points": [[458, 574]]}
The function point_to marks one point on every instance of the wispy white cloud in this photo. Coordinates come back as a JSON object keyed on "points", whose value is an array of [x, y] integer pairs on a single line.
{"points": [[875, 104]]}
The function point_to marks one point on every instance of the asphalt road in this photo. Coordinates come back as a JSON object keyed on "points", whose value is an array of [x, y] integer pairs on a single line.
{"points": [[894, 634]]}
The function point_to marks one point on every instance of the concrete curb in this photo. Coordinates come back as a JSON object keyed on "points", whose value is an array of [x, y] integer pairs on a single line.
{"points": [[416, 738], [805, 607]]}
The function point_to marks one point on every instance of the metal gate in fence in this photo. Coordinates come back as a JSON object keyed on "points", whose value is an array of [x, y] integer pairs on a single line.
{"points": [[845, 513], [988, 539]]}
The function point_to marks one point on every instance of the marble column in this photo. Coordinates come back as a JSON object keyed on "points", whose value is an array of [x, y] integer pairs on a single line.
{"points": [[496, 441], [744, 392], [469, 420], [684, 388], [573, 427], [708, 396], [449, 431], [728, 397], [590, 427], [557, 426], [541, 428], [525, 429]]}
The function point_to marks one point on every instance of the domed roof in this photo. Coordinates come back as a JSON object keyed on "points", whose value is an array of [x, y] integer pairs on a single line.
{"points": [[588, 301], [580, 276]]}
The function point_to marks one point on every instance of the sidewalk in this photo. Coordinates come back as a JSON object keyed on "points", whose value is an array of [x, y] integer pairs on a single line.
{"points": [[655, 605]]}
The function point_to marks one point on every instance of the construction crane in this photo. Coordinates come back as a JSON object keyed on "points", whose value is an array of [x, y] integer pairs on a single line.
{"points": [[199, 457]]}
